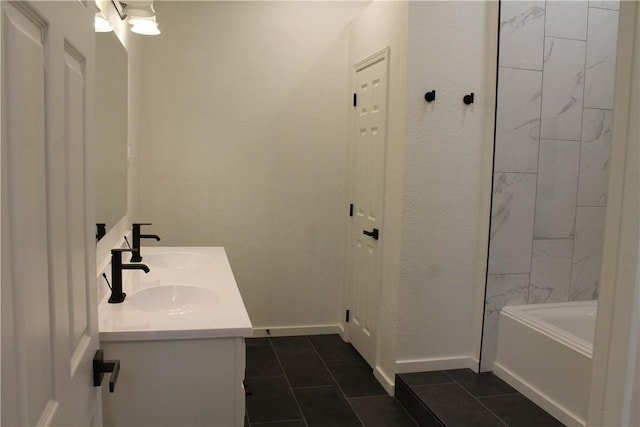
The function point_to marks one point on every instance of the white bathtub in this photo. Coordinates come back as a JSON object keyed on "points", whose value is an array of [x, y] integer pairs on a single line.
{"points": [[545, 352]]}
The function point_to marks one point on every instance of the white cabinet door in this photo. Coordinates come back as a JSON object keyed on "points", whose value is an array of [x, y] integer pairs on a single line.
{"points": [[49, 310]]}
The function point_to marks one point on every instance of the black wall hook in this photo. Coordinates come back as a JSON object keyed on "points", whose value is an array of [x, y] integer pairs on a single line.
{"points": [[430, 96], [468, 99]]}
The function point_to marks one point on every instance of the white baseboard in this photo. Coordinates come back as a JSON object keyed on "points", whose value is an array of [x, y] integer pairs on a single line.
{"points": [[292, 331], [435, 364], [537, 397], [387, 383], [474, 364]]}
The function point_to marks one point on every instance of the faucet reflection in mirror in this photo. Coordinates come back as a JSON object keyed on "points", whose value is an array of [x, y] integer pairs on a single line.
{"points": [[135, 237]]}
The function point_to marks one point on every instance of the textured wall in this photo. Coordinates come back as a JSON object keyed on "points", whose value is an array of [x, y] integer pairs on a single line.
{"points": [[244, 146], [554, 118], [447, 181]]}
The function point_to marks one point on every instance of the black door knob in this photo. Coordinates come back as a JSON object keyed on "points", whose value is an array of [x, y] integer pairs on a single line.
{"points": [[100, 366], [375, 233]]}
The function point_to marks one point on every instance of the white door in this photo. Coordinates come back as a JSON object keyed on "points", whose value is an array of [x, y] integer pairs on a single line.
{"points": [[49, 310], [367, 194]]}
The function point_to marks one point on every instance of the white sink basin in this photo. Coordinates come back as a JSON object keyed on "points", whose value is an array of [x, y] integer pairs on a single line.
{"points": [[178, 259], [174, 299]]}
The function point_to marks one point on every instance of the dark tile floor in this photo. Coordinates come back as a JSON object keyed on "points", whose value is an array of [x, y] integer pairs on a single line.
{"points": [[462, 398], [322, 381], [315, 381]]}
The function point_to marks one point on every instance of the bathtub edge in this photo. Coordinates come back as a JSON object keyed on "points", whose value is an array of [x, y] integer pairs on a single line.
{"points": [[552, 331]]}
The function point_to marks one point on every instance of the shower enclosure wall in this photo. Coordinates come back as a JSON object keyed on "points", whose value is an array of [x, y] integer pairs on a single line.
{"points": [[553, 129]]}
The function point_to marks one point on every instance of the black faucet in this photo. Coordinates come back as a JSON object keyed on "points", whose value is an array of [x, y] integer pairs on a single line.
{"points": [[117, 296], [136, 236]]}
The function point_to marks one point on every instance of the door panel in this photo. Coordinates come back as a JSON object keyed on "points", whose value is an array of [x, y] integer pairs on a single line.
{"points": [[24, 173], [49, 310], [367, 184], [74, 83]]}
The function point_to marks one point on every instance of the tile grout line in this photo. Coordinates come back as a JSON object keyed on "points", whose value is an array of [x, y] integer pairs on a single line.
{"points": [[477, 400], [359, 397], [336, 384], [499, 395], [307, 387], [324, 363], [514, 392], [570, 288], [287, 380]]}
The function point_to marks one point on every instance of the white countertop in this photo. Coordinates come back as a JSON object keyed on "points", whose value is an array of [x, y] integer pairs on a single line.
{"points": [[201, 267]]}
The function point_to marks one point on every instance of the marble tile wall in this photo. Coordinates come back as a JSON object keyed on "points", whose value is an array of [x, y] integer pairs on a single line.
{"points": [[553, 130]]}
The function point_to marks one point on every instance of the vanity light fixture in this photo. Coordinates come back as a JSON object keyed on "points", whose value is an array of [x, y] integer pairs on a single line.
{"points": [[101, 24], [119, 8], [142, 17]]}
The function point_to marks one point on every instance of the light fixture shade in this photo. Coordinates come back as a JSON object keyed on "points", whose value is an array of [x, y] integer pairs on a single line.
{"points": [[142, 16], [146, 27], [101, 25], [135, 20], [138, 14]]}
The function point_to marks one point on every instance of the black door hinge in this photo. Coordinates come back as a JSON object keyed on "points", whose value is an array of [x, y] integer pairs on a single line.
{"points": [[346, 318], [355, 99], [351, 209]]}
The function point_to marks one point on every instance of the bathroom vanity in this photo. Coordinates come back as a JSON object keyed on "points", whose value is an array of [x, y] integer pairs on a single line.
{"points": [[179, 336]]}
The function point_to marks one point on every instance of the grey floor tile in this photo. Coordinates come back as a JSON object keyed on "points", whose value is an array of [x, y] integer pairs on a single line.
{"points": [[355, 378], [455, 406], [420, 378], [257, 342], [262, 362], [295, 345], [305, 370], [518, 411], [381, 411], [332, 347], [271, 399], [326, 406], [415, 407], [480, 385], [294, 423]]}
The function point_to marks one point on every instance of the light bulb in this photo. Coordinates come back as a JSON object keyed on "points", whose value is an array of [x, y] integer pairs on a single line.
{"points": [[146, 27], [101, 25]]}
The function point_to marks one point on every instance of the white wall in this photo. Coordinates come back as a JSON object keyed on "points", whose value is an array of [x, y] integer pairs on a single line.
{"points": [[382, 24], [447, 183], [242, 144]]}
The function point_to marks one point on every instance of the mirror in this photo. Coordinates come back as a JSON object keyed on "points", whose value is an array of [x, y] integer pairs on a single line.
{"points": [[111, 129]]}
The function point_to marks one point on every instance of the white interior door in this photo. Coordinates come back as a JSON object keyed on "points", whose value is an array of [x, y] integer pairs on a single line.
{"points": [[367, 192], [49, 310]]}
